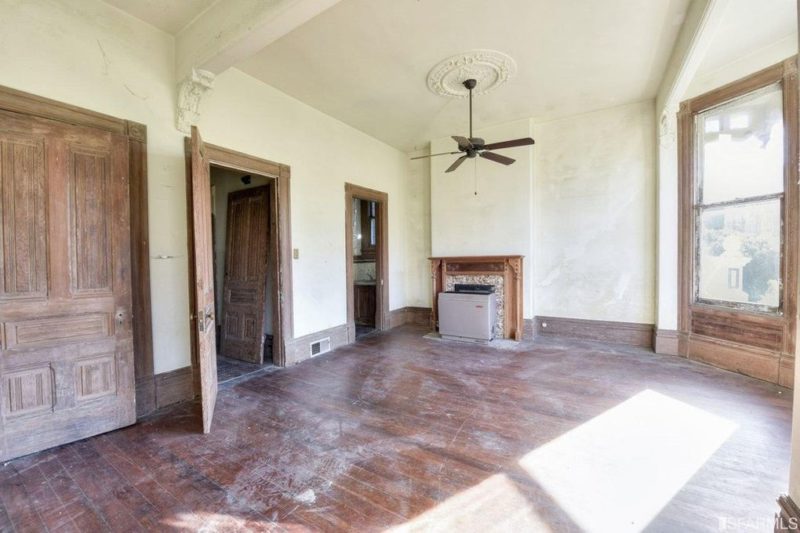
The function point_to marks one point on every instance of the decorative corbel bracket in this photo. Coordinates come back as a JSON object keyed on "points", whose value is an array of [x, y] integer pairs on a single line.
{"points": [[190, 91], [668, 126]]}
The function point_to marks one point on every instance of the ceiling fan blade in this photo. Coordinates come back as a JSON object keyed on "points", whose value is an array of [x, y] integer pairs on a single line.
{"points": [[434, 155], [463, 142], [527, 141], [457, 163], [497, 158]]}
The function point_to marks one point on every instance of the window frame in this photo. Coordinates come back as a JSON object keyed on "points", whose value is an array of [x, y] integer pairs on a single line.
{"points": [[699, 207], [738, 324]]}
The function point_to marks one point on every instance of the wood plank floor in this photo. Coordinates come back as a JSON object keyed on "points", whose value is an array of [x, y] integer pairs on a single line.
{"points": [[403, 433]]}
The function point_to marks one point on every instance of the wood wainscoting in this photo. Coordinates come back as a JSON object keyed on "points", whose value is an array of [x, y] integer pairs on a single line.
{"points": [[481, 269]]}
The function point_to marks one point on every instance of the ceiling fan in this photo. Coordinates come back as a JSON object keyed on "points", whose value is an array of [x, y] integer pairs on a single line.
{"points": [[473, 147]]}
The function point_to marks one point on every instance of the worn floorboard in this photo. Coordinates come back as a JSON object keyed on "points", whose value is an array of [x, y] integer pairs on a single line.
{"points": [[397, 432]]}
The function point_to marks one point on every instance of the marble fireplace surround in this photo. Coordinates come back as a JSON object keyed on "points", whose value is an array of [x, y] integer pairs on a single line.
{"points": [[502, 271]]}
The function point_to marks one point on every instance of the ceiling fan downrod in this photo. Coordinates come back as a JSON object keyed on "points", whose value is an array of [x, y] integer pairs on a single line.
{"points": [[470, 84], [472, 147]]}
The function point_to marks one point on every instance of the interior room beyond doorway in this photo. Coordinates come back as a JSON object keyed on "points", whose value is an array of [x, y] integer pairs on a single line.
{"points": [[241, 221]]}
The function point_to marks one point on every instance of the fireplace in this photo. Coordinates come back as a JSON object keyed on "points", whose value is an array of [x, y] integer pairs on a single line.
{"points": [[504, 272]]}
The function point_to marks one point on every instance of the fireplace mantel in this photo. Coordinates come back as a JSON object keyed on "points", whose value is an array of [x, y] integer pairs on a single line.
{"points": [[507, 269]]}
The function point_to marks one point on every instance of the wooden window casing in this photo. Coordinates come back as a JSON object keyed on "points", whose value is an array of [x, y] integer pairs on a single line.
{"points": [[755, 340]]}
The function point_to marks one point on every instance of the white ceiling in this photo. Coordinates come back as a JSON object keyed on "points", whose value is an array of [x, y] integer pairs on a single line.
{"points": [[365, 62], [170, 16], [746, 26]]}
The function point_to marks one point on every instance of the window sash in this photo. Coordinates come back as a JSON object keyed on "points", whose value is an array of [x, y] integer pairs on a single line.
{"points": [[697, 213], [699, 172], [698, 208]]}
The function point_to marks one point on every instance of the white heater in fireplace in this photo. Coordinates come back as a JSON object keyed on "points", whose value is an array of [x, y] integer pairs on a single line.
{"points": [[468, 313]]}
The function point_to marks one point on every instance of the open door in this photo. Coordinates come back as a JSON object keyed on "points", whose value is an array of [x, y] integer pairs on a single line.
{"points": [[204, 273], [245, 286]]}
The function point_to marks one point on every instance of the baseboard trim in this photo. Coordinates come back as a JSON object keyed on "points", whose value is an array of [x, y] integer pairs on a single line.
{"points": [[788, 516], [631, 333], [299, 349], [174, 386], [161, 390], [145, 395], [665, 341], [419, 316], [767, 365], [528, 328]]}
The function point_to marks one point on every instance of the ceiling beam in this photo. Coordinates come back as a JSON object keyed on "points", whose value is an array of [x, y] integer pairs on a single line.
{"points": [[698, 29], [233, 30], [224, 35]]}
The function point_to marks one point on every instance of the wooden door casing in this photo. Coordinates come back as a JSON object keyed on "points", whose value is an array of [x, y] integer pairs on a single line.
{"points": [[246, 268], [352, 192], [204, 278], [66, 351]]}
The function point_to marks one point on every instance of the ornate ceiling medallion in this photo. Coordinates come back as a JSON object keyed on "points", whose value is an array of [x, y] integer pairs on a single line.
{"points": [[489, 67]]}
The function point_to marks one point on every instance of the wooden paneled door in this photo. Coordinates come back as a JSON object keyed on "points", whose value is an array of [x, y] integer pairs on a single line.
{"points": [[245, 285], [66, 348], [204, 278]]}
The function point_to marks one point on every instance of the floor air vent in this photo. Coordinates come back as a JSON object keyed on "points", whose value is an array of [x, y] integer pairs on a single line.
{"points": [[321, 346]]}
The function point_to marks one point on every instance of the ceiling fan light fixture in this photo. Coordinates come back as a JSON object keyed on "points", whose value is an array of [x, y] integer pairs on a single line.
{"points": [[471, 147]]}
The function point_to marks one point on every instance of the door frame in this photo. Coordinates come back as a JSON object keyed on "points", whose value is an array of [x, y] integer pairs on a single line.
{"points": [[37, 106], [352, 191], [280, 242]]}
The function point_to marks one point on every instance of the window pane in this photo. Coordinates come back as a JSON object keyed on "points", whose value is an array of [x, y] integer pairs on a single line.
{"points": [[740, 253], [740, 147]]}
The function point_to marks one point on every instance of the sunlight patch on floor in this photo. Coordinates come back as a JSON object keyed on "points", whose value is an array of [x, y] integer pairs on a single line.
{"points": [[618, 470], [494, 504]]}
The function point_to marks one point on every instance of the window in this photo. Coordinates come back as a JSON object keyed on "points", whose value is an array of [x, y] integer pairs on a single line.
{"points": [[738, 202], [733, 278], [739, 222], [373, 223]]}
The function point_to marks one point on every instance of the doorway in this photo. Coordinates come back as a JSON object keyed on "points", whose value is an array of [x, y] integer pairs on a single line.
{"points": [[367, 259], [200, 158], [243, 269]]}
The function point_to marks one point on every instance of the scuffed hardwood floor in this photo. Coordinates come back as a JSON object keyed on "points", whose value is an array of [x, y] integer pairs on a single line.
{"points": [[403, 433]]}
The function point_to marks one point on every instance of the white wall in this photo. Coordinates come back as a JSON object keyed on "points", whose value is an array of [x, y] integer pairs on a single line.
{"points": [[418, 232], [595, 215], [246, 115], [496, 221], [744, 66], [579, 204], [86, 53]]}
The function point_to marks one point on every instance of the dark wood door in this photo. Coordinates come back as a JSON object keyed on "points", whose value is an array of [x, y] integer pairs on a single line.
{"points": [[245, 285], [365, 305], [204, 275], [66, 349]]}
